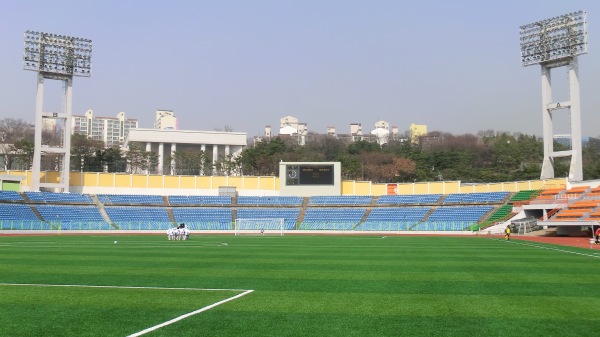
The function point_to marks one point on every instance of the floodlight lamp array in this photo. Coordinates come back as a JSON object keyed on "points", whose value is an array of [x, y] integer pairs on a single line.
{"points": [[552, 41], [57, 54]]}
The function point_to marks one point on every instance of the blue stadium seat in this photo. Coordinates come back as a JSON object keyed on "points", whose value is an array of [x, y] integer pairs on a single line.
{"points": [[290, 215], [50, 197], [137, 217], [413, 199], [204, 218], [339, 218], [10, 196], [341, 200], [199, 200], [17, 212], [482, 197], [269, 200], [130, 199]]}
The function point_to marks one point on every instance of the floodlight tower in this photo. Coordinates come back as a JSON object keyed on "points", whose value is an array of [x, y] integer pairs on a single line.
{"points": [[55, 57], [553, 43]]}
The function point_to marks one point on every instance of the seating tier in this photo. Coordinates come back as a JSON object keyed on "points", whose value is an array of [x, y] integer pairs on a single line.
{"points": [[59, 197], [199, 200], [204, 218], [278, 200], [408, 199], [290, 215], [341, 200], [132, 199]]}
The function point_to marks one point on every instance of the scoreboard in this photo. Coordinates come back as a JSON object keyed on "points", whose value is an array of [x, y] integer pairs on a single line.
{"points": [[309, 175], [308, 179]]}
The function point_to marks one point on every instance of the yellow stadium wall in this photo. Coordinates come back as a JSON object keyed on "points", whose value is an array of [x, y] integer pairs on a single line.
{"points": [[95, 183]]}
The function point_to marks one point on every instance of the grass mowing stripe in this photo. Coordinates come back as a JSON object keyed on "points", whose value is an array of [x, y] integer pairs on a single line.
{"points": [[419, 305], [333, 286], [115, 287], [554, 248], [94, 311]]}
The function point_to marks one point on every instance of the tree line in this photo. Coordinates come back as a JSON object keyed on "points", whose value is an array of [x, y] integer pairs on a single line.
{"points": [[489, 156]]}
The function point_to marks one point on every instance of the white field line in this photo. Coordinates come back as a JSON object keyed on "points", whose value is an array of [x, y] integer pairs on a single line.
{"points": [[524, 243], [118, 287], [176, 319], [152, 328]]}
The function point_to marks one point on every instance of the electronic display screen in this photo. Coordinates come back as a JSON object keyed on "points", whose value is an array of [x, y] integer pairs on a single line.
{"points": [[309, 175]]}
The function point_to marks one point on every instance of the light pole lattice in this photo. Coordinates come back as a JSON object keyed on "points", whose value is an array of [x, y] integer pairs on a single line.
{"points": [[553, 43], [55, 57]]}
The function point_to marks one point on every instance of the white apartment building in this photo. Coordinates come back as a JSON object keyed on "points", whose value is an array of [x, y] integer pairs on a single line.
{"points": [[165, 120], [111, 130]]}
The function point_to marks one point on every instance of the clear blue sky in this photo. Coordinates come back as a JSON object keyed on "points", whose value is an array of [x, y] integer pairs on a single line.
{"points": [[453, 65]]}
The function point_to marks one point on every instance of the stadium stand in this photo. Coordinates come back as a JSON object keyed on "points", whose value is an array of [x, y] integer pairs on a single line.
{"points": [[290, 215], [484, 197], [453, 218], [69, 217], [59, 197], [17, 212], [199, 200], [408, 199], [340, 200], [130, 199], [523, 195], [361, 212], [393, 218], [147, 218], [549, 195], [443, 226], [204, 218], [271, 200], [500, 213], [339, 218], [594, 192], [10, 196], [20, 217], [464, 213], [576, 192], [581, 209]]}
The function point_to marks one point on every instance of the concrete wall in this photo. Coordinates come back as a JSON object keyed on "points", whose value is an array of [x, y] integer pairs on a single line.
{"points": [[94, 183]]}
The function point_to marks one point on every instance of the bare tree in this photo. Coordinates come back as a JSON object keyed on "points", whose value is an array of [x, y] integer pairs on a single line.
{"points": [[12, 130]]}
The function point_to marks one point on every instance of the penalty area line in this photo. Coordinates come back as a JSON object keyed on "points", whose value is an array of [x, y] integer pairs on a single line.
{"points": [[177, 319], [158, 326]]}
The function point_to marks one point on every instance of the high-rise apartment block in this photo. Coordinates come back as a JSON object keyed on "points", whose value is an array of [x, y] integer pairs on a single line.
{"points": [[165, 120], [112, 131]]}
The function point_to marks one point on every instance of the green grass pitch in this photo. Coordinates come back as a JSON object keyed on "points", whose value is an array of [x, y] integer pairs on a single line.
{"points": [[302, 286]]}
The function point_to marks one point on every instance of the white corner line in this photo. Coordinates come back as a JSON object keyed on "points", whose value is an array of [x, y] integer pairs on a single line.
{"points": [[145, 331], [176, 319]]}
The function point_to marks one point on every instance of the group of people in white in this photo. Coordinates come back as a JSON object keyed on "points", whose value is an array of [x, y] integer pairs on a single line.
{"points": [[180, 232]]}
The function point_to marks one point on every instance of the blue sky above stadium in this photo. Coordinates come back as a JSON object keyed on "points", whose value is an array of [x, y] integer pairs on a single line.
{"points": [[453, 65]]}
